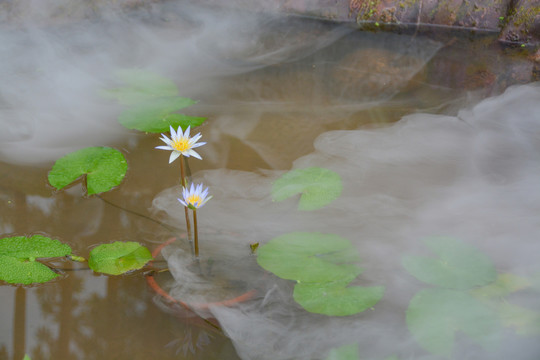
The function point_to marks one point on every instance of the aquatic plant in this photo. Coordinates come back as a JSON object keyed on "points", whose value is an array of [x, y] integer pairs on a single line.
{"points": [[181, 144], [468, 297], [118, 257], [193, 199], [103, 168], [324, 266], [318, 187], [151, 101], [20, 258]]}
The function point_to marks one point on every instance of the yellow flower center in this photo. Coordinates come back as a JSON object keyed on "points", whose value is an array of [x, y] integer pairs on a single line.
{"points": [[181, 144], [194, 199]]}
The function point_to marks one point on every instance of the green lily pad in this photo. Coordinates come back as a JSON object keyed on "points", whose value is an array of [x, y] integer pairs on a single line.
{"points": [[18, 256], [505, 285], [525, 322], [435, 315], [346, 352], [141, 86], [310, 257], [336, 299], [318, 186], [118, 258], [104, 168], [459, 265], [158, 115]]}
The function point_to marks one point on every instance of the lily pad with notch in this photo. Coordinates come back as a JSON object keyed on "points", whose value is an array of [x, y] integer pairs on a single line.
{"points": [[435, 316], [458, 266], [336, 298], [310, 257], [18, 256], [158, 115], [152, 102], [141, 86], [118, 257], [318, 187], [104, 168]]}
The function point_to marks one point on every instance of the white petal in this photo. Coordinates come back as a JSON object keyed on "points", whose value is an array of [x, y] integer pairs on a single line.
{"points": [[186, 134], [198, 144], [173, 133], [204, 193], [166, 140], [164, 147], [182, 202], [194, 154], [174, 156]]}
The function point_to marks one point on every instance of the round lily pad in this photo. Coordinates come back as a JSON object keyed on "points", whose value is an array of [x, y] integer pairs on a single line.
{"points": [[318, 187], [118, 258], [141, 86], [435, 316], [158, 115], [104, 168], [18, 256], [458, 266], [309, 257], [336, 299]]}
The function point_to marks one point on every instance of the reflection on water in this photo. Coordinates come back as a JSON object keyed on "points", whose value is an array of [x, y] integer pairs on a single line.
{"points": [[279, 94]]}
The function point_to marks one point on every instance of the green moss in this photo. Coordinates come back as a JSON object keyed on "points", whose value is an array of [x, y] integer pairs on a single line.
{"points": [[368, 11], [525, 16]]}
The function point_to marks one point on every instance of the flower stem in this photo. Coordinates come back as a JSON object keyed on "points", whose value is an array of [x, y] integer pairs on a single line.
{"points": [[184, 185], [196, 238]]}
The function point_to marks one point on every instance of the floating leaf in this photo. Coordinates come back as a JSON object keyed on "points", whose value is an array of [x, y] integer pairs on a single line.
{"points": [[459, 265], [18, 256], [318, 187], [158, 115], [26, 357], [336, 299], [309, 257], [141, 86], [118, 258], [323, 266], [435, 315], [346, 352], [503, 286], [105, 168], [525, 322]]}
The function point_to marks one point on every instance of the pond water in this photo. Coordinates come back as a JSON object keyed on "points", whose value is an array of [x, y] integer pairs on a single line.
{"points": [[432, 135]]}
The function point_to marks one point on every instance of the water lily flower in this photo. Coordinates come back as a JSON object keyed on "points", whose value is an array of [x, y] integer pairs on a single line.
{"points": [[195, 197], [181, 144]]}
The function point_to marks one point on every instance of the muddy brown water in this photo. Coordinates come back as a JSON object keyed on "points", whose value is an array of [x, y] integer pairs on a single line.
{"points": [[362, 80]]}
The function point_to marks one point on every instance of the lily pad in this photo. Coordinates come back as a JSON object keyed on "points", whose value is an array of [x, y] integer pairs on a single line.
{"points": [[459, 265], [505, 285], [310, 257], [158, 115], [346, 352], [435, 316], [336, 299], [525, 322], [141, 86], [318, 186], [18, 256], [104, 168], [118, 258]]}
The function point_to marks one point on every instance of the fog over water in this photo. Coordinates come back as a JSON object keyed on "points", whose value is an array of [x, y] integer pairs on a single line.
{"points": [[472, 173], [473, 176]]}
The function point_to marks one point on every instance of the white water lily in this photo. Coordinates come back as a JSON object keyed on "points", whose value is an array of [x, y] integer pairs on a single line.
{"points": [[195, 197], [181, 144]]}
